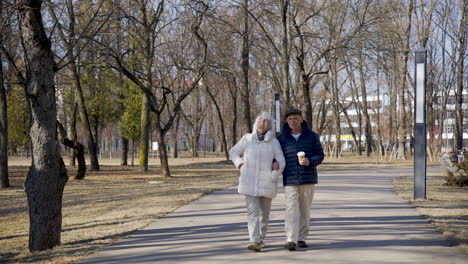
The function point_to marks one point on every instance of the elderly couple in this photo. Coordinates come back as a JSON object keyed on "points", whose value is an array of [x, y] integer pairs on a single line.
{"points": [[261, 159]]}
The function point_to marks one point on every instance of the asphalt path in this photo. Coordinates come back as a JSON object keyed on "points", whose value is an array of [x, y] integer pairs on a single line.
{"points": [[355, 218]]}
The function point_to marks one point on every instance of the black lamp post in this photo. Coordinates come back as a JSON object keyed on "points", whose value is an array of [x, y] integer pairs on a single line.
{"points": [[420, 125]]}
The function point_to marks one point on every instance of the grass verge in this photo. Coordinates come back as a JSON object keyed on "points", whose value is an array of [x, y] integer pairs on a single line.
{"points": [[106, 206], [446, 207]]}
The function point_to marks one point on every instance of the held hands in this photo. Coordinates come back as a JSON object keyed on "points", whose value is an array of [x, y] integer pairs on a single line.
{"points": [[304, 162], [275, 166]]}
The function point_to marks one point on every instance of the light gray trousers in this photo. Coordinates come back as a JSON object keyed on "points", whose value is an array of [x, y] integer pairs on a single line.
{"points": [[258, 213], [298, 202]]}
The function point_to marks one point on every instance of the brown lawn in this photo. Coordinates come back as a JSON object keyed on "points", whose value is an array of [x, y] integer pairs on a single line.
{"points": [[118, 200]]}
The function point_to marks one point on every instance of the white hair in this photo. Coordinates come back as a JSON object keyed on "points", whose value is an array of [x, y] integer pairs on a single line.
{"points": [[265, 115]]}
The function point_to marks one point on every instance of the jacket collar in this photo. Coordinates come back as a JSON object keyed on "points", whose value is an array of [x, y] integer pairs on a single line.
{"points": [[268, 136]]}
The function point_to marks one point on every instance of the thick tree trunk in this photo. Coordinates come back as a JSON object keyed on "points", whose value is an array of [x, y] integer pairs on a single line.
{"points": [[245, 70], [4, 181], [124, 157], [144, 138], [47, 175]]}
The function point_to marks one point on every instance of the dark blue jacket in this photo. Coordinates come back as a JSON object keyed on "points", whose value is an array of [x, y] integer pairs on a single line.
{"points": [[309, 142]]}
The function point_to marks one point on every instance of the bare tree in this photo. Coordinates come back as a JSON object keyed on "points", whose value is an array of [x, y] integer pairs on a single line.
{"points": [[462, 39], [144, 27], [47, 176], [145, 131], [4, 181], [245, 94], [220, 119], [72, 40], [402, 83]]}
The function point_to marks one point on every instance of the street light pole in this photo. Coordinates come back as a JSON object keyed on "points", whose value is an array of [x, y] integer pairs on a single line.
{"points": [[420, 125]]}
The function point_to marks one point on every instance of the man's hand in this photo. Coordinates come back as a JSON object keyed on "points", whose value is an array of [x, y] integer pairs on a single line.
{"points": [[305, 162], [275, 166]]}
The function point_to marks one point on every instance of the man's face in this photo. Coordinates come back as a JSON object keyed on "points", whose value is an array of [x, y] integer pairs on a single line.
{"points": [[263, 124], [294, 121]]}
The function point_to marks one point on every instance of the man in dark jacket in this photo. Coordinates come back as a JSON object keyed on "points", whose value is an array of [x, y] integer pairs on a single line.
{"points": [[299, 176]]}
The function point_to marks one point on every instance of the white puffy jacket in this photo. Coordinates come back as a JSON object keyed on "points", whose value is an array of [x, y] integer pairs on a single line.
{"points": [[256, 175]]}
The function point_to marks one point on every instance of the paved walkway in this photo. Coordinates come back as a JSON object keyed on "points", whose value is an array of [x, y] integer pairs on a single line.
{"points": [[356, 218]]}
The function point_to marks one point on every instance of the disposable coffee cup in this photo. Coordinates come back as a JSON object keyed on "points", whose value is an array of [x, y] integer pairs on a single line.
{"points": [[301, 155]]}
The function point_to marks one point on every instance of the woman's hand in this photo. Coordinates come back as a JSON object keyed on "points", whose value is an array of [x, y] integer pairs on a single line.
{"points": [[275, 166]]}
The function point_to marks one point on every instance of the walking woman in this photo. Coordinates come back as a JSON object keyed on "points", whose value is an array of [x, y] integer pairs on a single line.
{"points": [[254, 155]]}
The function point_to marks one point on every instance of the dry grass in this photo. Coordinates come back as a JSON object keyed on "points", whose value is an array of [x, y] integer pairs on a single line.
{"points": [[117, 200], [446, 207], [106, 206]]}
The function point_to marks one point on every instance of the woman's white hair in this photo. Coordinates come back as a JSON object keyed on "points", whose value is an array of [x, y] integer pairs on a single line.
{"points": [[265, 115]]}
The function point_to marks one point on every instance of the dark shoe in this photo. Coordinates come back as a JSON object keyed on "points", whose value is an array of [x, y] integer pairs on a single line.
{"points": [[302, 244], [262, 245], [254, 246], [291, 246]]}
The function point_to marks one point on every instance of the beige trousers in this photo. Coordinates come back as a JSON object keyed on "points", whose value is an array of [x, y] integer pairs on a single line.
{"points": [[258, 213], [298, 202]]}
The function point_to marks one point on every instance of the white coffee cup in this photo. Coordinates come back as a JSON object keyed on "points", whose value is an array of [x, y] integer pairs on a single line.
{"points": [[301, 156]]}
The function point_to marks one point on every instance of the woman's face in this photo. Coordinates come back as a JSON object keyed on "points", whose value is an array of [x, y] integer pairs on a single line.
{"points": [[263, 125]]}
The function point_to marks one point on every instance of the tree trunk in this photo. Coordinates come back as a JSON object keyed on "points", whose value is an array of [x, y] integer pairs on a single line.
{"points": [[333, 79], [162, 152], [96, 134], [71, 49], [133, 152], [367, 127], [402, 87], [73, 135], [124, 157], [4, 181], [285, 104], [303, 77], [92, 148], [144, 139], [462, 39], [245, 69], [221, 123], [350, 125], [174, 138], [81, 172], [47, 175], [233, 92]]}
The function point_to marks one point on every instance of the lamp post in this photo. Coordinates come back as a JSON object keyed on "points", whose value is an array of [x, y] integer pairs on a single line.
{"points": [[420, 125], [277, 112]]}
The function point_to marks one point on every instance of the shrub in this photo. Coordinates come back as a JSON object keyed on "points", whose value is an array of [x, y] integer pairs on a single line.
{"points": [[459, 177]]}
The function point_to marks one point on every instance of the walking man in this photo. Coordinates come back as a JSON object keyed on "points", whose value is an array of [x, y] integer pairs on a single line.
{"points": [[299, 176]]}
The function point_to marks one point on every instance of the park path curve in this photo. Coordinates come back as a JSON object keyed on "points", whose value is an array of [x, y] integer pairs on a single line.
{"points": [[355, 218]]}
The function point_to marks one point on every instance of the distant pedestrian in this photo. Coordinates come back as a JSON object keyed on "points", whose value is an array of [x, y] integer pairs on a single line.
{"points": [[254, 155], [303, 153]]}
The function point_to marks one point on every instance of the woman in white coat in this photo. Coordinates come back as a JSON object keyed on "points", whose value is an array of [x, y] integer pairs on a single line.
{"points": [[254, 155]]}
